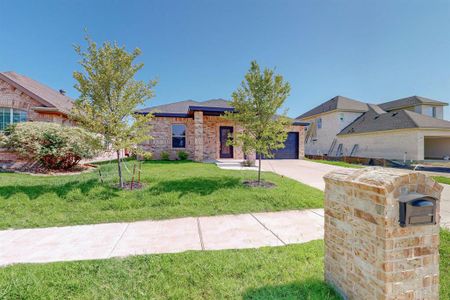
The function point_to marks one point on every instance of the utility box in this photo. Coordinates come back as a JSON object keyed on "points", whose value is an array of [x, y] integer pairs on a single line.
{"points": [[417, 209], [382, 234]]}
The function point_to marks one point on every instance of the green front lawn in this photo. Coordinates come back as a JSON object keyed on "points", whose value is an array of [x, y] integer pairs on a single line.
{"points": [[442, 179], [289, 272], [173, 189]]}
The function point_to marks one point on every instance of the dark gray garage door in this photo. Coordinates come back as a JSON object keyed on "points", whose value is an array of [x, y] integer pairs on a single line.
{"points": [[290, 150]]}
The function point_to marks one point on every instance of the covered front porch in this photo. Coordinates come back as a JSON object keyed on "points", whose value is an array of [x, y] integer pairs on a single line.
{"points": [[211, 133]]}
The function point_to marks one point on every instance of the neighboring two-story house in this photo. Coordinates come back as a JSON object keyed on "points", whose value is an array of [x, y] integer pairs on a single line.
{"points": [[411, 128]]}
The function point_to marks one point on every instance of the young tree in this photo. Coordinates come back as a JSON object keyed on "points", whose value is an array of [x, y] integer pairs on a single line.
{"points": [[256, 103], [109, 95]]}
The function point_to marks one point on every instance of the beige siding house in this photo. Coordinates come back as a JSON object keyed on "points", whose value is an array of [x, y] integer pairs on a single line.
{"points": [[406, 129], [327, 120], [199, 129]]}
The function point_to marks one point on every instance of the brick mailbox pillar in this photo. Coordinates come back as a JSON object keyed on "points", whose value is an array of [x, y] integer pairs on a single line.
{"points": [[369, 252]]}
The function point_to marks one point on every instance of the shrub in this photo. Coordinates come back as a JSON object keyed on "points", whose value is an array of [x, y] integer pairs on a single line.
{"points": [[145, 155], [248, 163], [3, 140], [183, 155], [53, 145], [165, 155]]}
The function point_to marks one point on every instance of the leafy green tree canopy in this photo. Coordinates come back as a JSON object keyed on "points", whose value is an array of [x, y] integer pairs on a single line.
{"points": [[256, 103], [110, 94]]}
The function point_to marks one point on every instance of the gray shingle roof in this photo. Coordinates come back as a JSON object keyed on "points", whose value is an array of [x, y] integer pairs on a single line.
{"points": [[376, 108], [409, 101], [372, 121], [338, 102], [182, 107], [38, 91]]}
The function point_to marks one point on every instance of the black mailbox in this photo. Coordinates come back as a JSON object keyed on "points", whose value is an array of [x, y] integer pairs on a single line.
{"points": [[417, 209]]}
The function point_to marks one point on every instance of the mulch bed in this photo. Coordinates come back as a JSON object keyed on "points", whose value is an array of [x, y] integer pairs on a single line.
{"points": [[128, 186], [33, 168], [262, 184]]}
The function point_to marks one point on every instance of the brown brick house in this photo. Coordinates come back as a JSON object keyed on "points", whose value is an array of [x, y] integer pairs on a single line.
{"points": [[199, 129], [24, 99], [30, 100]]}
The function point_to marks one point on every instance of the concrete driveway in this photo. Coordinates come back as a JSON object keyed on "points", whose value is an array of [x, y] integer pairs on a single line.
{"points": [[445, 207], [312, 173], [305, 171]]}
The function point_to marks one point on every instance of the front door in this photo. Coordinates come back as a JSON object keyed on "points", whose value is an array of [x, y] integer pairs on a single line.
{"points": [[225, 150]]}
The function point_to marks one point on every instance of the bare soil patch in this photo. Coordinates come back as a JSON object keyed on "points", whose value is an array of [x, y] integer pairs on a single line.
{"points": [[131, 186], [262, 184]]}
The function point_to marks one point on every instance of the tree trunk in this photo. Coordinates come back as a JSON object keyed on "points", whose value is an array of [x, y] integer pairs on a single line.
{"points": [[119, 168], [259, 170]]}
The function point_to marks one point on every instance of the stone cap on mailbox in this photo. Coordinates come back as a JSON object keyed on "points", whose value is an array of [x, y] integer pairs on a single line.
{"points": [[385, 181]]}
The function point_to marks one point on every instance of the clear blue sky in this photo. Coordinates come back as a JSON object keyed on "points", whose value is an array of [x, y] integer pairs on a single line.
{"points": [[368, 50]]}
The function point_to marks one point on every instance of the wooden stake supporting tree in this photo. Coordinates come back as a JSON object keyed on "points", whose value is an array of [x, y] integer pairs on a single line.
{"points": [[109, 96], [132, 178], [139, 173]]}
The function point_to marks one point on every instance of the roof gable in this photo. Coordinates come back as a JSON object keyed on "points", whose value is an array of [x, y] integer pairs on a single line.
{"points": [[372, 121], [336, 103], [182, 107], [410, 101], [38, 91], [424, 121]]}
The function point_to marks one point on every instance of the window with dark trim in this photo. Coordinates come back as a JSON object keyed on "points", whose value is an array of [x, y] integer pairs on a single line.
{"points": [[178, 136]]}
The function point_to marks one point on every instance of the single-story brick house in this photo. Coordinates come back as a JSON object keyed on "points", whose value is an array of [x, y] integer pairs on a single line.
{"points": [[199, 129], [24, 99]]}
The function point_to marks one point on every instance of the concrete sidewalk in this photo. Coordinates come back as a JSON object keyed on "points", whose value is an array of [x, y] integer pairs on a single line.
{"points": [[103, 241]]}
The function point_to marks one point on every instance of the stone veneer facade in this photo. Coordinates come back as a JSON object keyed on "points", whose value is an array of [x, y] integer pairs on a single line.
{"points": [[367, 254], [202, 137]]}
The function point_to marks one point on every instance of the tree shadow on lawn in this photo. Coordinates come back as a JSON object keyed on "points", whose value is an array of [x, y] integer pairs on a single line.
{"points": [[198, 185], [305, 289], [35, 191]]}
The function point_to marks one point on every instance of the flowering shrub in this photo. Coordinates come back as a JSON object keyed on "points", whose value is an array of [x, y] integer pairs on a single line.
{"points": [[145, 155], [3, 139], [53, 145]]}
